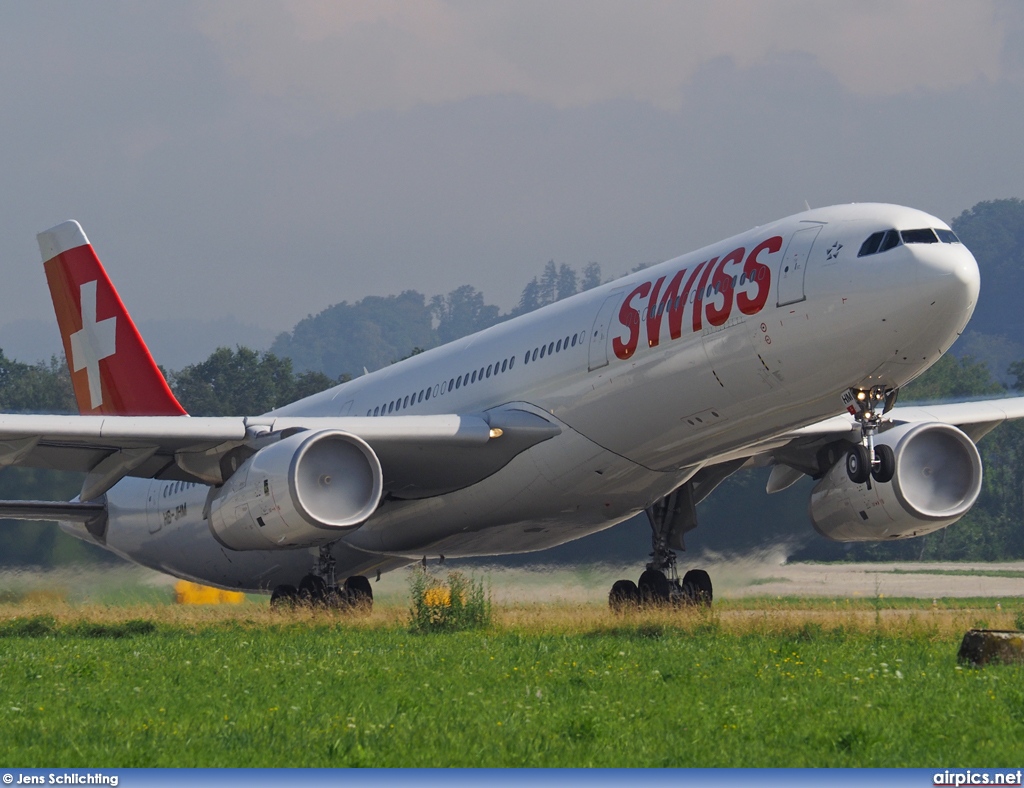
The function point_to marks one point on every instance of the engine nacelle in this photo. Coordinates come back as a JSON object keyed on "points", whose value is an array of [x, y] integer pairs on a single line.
{"points": [[937, 481], [303, 491]]}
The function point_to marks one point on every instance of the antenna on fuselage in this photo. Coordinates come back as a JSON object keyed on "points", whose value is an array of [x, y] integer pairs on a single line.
{"points": [[807, 205]]}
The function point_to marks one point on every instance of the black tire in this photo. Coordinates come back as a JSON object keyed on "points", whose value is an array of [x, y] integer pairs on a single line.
{"points": [[359, 593], [858, 466], [284, 596], [654, 588], [697, 587], [624, 596], [885, 468], [313, 590]]}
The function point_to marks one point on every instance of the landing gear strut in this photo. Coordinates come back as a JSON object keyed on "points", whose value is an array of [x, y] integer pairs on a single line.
{"points": [[319, 589], [660, 584], [866, 461]]}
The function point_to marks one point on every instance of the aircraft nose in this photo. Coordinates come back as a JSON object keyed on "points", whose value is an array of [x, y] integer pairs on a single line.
{"points": [[951, 273]]}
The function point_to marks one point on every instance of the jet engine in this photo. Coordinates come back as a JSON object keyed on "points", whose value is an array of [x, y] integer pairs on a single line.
{"points": [[936, 481], [305, 490]]}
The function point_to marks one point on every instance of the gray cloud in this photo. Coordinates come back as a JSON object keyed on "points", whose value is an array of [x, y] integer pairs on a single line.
{"points": [[256, 173]]}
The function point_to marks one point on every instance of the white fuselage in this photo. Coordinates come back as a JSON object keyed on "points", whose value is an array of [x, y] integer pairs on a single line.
{"points": [[651, 377]]}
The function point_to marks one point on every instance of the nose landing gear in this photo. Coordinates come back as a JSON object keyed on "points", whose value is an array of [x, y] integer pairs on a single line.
{"points": [[866, 461]]}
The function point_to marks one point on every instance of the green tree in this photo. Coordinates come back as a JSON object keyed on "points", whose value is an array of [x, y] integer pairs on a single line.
{"points": [[567, 284], [548, 292], [242, 382], [952, 378], [591, 276], [530, 299], [994, 232], [462, 312], [36, 388], [347, 338]]}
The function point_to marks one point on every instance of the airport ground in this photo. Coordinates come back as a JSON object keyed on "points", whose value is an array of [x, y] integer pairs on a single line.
{"points": [[796, 665]]}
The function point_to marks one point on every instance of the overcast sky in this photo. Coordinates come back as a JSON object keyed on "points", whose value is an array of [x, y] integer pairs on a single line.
{"points": [[259, 161]]}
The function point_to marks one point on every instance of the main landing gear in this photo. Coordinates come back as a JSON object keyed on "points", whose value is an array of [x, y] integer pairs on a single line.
{"points": [[866, 461], [319, 589], [660, 585]]}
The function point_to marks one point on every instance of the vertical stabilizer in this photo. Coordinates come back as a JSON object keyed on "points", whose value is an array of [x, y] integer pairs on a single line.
{"points": [[112, 370]]}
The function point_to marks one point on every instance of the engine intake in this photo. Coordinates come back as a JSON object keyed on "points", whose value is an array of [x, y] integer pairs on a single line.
{"points": [[303, 491], [936, 482]]}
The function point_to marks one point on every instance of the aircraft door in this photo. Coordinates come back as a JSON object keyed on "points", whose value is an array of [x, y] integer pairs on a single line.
{"points": [[599, 332], [794, 265]]}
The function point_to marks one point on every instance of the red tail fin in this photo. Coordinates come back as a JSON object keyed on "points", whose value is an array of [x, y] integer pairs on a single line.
{"points": [[111, 368]]}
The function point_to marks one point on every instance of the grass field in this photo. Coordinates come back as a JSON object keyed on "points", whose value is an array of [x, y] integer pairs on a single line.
{"points": [[757, 682]]}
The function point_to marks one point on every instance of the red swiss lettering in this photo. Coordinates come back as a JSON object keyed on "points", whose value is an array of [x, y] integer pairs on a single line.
{"points": [[698, 303], [653, 313], [760, 274], [721, 282], [630, 318]]}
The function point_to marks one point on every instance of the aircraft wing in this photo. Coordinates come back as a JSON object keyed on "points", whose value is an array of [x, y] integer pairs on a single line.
{"points": [[977, 419], [420, 456]]}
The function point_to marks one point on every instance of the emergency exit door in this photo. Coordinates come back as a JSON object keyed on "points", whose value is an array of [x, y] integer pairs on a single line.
{"points": [[794, 266]]}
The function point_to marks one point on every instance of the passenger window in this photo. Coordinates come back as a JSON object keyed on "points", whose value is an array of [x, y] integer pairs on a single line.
{"points": [[574, 340], [558, 347], [503, 365], [923, 236], [542, 349], [534, 356], [376, 411], [511, 363], [890, 241], [489, 368], [551, 348]]}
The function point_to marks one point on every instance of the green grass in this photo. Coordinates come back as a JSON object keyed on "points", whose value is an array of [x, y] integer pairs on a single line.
{"points": [[647, 691]]}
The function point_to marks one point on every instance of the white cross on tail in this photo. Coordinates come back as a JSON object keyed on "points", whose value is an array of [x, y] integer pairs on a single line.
{"points": [[93, 342]]}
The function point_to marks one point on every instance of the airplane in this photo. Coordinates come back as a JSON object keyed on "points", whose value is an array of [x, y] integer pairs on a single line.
{"points": [[784, 346]]}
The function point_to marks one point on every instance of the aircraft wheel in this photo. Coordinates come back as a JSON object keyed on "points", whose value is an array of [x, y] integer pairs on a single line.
{"points": [[359, 593], [886, 466], [654, 587], [624, 596], [312, 590], [284, 596], [697, 587], [858, 466]]}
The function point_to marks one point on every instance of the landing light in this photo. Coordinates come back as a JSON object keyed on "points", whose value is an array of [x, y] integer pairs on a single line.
{"points": [[496, 432]]}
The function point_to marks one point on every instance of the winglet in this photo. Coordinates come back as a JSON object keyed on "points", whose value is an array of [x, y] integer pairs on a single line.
{"points": [[112, 370]]}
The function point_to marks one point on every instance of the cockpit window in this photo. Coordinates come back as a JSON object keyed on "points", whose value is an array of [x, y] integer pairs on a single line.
{"points": [[879, 242], [870, 246], [925, 236], [891, 240], [885, 240]]}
